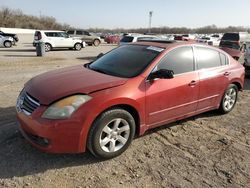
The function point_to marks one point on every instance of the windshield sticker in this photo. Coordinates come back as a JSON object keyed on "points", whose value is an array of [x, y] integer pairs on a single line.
{"points": [[155, 48]]}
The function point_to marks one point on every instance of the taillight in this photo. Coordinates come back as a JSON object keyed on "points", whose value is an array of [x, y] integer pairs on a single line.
{"points": [[38, 35]]}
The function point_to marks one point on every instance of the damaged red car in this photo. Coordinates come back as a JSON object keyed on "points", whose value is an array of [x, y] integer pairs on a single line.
{"points": [[101, 106]]}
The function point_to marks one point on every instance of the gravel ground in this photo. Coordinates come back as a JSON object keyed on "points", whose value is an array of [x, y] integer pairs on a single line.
{"points": [[208, 150]]}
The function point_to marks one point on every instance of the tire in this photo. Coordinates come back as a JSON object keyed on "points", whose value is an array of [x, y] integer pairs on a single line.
{"points": [[111, 133], [47, 47], [229, 99], [96, 42], [78, 46], [7, 44]]}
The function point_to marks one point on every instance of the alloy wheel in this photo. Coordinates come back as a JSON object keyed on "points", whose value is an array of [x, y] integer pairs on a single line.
{"points": [[114, 135], [230, 99]]}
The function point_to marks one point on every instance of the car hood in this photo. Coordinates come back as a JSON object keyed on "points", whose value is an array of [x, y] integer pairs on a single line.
{"points": [[54, 85]]}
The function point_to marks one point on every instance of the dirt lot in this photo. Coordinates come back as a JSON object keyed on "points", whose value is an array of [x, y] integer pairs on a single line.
{"points": [[208, 150]]}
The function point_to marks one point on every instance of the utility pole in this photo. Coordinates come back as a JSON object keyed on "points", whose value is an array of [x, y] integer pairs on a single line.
{"points": [[150, 21]]}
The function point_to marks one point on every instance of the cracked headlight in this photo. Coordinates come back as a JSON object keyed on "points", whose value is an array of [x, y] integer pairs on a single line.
{"points": [[64, 108]]}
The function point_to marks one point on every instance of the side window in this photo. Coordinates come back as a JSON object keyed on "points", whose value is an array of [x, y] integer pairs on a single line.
{"points": [[207, 58], [48, 34], [71, 32], [179, 60], [58, 35], [63, 34], [223, 59], [86, 33], [79, 32]]}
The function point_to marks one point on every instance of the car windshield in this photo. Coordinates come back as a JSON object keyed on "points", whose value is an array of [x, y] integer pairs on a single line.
{"points": [[126, 61]]}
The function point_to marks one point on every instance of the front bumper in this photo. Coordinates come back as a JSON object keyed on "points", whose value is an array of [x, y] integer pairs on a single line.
{"points": [[52, 136]]}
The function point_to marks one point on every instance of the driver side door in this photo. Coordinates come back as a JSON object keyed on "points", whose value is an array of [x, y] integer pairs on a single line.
{"points": [[169, 99]]}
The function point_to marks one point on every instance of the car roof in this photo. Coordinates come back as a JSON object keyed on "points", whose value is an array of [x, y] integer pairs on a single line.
{"points": [[50, 31], [174, 44], [167, 44]]}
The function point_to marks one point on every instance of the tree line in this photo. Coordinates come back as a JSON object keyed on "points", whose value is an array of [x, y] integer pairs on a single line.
{"points": [[17, 19]]}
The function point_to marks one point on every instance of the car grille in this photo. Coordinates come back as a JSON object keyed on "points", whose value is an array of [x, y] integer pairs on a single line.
{"points": [[27, 103]]}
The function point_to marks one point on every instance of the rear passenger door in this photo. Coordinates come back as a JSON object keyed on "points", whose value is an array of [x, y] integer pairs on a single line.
{"points": [[213, 70], [53, 39]]}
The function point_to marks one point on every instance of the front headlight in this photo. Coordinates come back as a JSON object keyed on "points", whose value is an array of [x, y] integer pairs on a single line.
{"points": [[66, 107]]}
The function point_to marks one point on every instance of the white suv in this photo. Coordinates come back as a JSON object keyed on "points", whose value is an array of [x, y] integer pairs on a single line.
{"points": [[57, 39]]}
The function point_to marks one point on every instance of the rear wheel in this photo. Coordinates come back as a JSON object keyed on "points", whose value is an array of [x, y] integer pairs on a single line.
{"points": [[96, 42], [47, 47], [7, 44], [111, 133], [78, 46], [229, 99]]}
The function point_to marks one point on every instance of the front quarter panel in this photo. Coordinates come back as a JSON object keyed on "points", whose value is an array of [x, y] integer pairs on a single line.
{"points": [[102, 100]]}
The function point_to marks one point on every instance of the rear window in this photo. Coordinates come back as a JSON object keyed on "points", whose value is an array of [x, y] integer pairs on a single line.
{"points": [[231, 36], [230, 44], [207, 58], [127, 39]]}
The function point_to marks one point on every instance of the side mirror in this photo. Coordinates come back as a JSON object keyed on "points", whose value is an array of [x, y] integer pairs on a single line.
{"points": [[100, 55], [161, 74]]}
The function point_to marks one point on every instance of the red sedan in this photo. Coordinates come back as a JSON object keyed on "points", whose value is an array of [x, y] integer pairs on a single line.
{"points": [[102, 105]]}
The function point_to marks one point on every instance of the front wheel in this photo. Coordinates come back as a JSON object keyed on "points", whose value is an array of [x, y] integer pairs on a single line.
{"points": [[7, 44], [111, 133], [229, 99], [78, 46]]}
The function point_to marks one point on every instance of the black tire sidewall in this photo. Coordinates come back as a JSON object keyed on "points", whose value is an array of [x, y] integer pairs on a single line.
{"points": [[79, 48], [95, 42], [100, 123], [7, 42]]}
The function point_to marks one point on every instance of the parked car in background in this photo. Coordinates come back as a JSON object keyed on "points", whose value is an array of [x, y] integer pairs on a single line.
{"points": [[178, 37], [102, 105], [6, 41], [12, 35], [130, 38], [188, 37], [233, 43], [112, 39], [57, 39], [210, 40], [247, 55], [89, 38]]}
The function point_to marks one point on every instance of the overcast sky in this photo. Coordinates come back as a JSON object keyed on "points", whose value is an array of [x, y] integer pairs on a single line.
{"points": [[134, 13]]}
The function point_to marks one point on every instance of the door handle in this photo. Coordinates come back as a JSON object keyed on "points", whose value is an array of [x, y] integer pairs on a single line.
{"points": [[192, 83], [227, 73]]}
